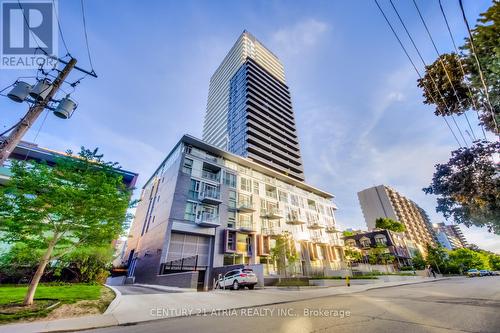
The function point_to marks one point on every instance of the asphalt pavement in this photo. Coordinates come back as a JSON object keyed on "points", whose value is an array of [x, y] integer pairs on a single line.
{"points": [[453, 305]]}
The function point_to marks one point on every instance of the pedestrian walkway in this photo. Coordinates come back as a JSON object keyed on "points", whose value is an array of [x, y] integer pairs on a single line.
{"points": [[127, 309]]}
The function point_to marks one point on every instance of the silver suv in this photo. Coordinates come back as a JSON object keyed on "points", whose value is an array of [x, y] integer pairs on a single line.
{"points": [[236, 279]]}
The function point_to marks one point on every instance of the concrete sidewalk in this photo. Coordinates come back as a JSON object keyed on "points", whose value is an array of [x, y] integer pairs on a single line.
{"points": [[127, 309]]}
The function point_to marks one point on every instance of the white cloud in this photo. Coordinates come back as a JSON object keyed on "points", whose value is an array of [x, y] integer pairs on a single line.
{"points": [[299, 37]]}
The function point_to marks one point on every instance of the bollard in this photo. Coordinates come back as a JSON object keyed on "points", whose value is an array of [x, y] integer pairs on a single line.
{"points": [[347, 281]]}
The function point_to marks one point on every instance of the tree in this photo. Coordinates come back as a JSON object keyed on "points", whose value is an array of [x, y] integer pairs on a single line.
{"points": [[347, 233], [461, 260], [380, 255], [88, 264], [418, 261], [453, 84], [389, 224], [485, 36], [468, 186], [79, 201], [448, 98], [437, 257], [283, 255], [352, 255]]}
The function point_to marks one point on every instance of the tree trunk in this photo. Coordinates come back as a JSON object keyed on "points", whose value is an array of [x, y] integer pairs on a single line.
{"points": [[28, 299]]}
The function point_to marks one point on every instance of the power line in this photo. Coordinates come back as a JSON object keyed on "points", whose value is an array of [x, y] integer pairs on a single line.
{"points": [[436, 87], [481, 76], [442, 64], [413, 64], [59, 27], [461, 66], [86, 36]]}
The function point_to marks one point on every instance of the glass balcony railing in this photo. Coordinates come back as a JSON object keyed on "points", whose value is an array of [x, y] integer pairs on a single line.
{"points": [[210, 194], [272, 213], [206, 219], [245, 206]]}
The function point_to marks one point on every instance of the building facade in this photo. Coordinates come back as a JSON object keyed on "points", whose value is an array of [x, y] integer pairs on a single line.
{"points": [[393, 241], [249, 109], [383, 201], [450, 236], [221, 209]]}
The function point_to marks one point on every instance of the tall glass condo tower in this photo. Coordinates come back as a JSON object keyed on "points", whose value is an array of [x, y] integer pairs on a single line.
{"points": [[249, 109]]}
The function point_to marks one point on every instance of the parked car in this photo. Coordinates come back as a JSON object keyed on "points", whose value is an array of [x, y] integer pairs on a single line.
{"points": [[236, 279], [473, 272], [485, 272]]}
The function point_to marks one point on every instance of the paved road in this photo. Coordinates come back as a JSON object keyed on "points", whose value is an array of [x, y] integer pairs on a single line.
{"points": [[455, 305]]}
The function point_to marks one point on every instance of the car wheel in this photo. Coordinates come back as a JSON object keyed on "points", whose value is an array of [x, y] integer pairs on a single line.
{"points": [[236, 285], [251, 286]]}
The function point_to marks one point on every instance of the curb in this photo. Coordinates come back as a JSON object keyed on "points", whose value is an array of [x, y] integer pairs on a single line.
{"points": [[114, 303]]}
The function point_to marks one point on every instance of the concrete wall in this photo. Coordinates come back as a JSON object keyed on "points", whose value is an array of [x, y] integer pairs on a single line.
{"points": [[181, 280], [150, 247], [371, 268], [116, 281]]}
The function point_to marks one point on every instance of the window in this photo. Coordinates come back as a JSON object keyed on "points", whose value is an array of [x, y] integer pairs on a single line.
{"points": [[365, 242], [271, 192], [190, 212], [229, 179], [294, 200], [232, 199], [283, 196], [381, 239], [256, 187], [311, 204], [231, 219], [187, 167], [194, 190], [245, 184], [350, 243]]}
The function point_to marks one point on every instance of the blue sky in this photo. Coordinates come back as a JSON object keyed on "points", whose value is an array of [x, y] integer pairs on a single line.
{"points": [[360, 116]]}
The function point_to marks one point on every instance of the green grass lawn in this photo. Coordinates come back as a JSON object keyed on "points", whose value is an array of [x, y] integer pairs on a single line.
{"points": [[69, 293], [47, 295]]}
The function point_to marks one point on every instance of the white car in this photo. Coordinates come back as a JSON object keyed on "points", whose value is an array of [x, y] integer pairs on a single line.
{"points": [[236, 279]]}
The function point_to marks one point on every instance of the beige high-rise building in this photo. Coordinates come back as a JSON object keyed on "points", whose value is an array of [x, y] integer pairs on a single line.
{"points": [[383, 201]]}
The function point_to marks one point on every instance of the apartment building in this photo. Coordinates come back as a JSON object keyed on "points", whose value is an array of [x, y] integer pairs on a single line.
{"points": [[383, 201], [450, 236], [207, 208], [249, 108]]}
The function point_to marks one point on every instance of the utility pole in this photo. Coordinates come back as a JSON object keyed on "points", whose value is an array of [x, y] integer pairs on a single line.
{"points": [[11, 142]]}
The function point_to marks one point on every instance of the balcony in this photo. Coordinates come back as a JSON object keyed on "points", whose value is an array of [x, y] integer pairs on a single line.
{"points": [[210, 196], [331, 230], [337, 242], [319, 240], [271, 231], [245, 207], [246, 226], [272, 214], [315, 225], [295, 219], [206, 219], [210, 175]]}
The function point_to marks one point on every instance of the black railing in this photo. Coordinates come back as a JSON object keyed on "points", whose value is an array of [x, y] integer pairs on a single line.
{"points": [[183, 264]]}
